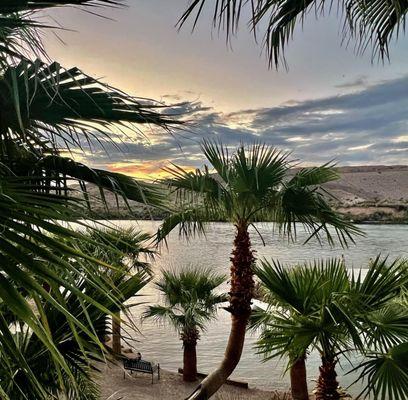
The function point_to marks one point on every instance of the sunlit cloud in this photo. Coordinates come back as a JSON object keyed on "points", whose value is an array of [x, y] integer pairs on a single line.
{"points": [[359, 128], [362, 147], [400, 139]]}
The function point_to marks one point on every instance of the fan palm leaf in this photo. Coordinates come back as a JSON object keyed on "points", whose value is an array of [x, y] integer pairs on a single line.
{"points": [[373, 23], [65, 105]]}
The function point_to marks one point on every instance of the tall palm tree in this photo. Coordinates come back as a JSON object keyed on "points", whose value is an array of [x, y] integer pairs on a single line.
{"points": [[251, 185], [373, 23], [318, 307], [190, 304]]}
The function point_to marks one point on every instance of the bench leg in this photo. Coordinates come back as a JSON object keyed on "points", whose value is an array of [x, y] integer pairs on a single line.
{"points": [[152, 377], [158, 371]]}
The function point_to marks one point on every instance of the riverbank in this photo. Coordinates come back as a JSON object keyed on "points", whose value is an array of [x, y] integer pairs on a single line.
{"points": [[368, 214], [169, 387], [363, 194]]}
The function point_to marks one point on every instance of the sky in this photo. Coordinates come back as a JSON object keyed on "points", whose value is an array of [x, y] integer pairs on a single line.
{"points": [[330, 104]]}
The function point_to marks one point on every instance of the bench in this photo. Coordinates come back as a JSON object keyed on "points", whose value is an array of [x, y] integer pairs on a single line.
{"points": [[145, 367]]}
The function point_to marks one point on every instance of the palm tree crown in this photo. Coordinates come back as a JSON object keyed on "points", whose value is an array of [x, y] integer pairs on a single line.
{"points": [[189, 297], [190, 303], [253, 184]]}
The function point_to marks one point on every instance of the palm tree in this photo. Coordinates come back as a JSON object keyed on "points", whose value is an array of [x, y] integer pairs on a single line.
{"points": [[248, 186], [120, 248], [317, 307], [190, 304], [46, 109], [299, 313], [373, 23], [73, 343]]}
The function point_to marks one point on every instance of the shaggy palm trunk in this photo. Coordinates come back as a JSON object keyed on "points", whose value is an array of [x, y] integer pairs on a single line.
{"points": [[116, 346], [190, 355], [327, 384], [298, 380], [242, 287]]}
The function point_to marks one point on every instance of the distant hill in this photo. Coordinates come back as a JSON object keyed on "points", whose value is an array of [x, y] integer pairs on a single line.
{"points": [[372, 193], [363, 193]]}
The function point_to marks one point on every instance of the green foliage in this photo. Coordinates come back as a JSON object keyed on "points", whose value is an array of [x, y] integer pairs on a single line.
{"points": [[45, 103], [373, 23], [53, 290], [386, 374], [190, 301], [254, 184], [78, 327], [318, 306]]}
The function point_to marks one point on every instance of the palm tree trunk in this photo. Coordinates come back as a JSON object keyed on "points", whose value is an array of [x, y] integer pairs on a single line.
{"points": [[116, 346], [327, 384], [242, 286], [189, 361], [298, 380]]}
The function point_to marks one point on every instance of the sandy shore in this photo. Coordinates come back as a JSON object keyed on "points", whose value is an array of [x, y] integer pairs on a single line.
{"points": [[170, 387]]}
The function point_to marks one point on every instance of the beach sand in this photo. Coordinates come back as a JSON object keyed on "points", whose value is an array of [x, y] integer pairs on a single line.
{"points": [[170, 387]]}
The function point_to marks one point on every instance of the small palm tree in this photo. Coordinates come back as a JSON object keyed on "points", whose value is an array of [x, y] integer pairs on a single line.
{"points": [[318, 307], [190, 304], [253, 184]]}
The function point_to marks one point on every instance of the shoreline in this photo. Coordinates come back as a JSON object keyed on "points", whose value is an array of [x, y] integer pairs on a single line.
{"points": [[169, 387], [99, 217]]}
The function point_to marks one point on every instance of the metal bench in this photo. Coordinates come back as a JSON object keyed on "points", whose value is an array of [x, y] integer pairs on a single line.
{"points": [[145, 367]]}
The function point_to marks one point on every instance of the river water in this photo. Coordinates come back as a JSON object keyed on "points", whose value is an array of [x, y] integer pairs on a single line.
{"points": [[161, 343]]}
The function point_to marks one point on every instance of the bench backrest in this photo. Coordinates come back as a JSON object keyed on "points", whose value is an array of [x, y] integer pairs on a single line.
{"points": [[138, 364]]}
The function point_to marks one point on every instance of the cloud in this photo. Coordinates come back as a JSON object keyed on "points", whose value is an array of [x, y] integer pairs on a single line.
{"points": [[360, 81], [369, 126]]}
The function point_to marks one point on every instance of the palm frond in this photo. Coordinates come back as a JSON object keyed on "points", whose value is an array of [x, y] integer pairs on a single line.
{"points": [[191, 222], [386, 374], [381, 284], [308, 206], [121, 185], [373, 23], [257, 169], [50, 104], [13, 6], [314, 176]]}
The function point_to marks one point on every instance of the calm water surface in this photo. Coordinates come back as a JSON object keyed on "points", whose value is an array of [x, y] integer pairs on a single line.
{"points": [[161, 343]]}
